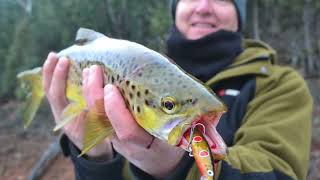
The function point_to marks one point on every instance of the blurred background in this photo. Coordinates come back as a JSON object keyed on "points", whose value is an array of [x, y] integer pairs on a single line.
{"points": [[30, 29]]}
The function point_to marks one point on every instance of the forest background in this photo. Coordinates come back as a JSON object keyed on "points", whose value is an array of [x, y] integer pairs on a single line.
{"points": [[29, 29]]}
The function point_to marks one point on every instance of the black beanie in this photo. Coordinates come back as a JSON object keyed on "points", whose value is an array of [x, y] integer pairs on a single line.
{"points": [[240, 6]]}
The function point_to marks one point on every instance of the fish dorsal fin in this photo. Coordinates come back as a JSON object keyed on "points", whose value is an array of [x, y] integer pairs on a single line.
{"points": [[85, 35]]}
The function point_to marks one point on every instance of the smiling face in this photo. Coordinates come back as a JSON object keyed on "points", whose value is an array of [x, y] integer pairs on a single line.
{"points": [[198, 18]]}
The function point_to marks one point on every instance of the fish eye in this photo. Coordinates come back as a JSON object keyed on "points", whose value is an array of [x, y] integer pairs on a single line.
{"points": [[210, 172], [169, 105]]}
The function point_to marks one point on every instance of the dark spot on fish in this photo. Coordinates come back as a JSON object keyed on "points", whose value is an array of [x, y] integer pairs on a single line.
{"points": [[146, 92], [146, 102], [156, 81], [118, 77], [130, 95], [135, 66], [140, 74], [112, 79], [138, 109], [133, 87], [124, 72], [171, 74], [138, 94], [132, 107], [189, 100], [194, 101], [184, 86], [127, 82]]}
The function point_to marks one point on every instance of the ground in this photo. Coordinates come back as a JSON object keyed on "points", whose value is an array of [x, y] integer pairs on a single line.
{"points": [[20, 149]]}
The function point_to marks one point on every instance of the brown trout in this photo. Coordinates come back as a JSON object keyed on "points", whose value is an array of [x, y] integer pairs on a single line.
{"points": [[163, 99]]}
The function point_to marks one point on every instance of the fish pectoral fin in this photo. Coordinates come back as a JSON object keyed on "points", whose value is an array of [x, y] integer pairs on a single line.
{"points": [[30, 109], [31, 82], [97, 127], [69, 113]]}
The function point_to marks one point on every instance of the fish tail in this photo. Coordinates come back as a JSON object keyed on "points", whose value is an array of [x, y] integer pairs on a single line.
{"points": [[31, 80]]}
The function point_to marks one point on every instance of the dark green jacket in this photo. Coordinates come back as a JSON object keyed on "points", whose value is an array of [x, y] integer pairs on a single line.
{"points": [[267, 128], [273, 140]]}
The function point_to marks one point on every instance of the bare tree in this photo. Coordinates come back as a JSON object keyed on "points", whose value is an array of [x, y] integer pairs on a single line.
{"points": [[110, 12], [26, 5], [308, 12], [124, 18], [255, 20], [275, 20]]}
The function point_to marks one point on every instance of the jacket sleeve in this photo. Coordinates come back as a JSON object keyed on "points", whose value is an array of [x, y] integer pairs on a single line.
{"points": [[86, 169], [118, 168], [274, 139]]}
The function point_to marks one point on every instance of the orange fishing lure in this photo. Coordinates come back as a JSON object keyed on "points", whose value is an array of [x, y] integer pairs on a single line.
{"points": [[200, 150]]}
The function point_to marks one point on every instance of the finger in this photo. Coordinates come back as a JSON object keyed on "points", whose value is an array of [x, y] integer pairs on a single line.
{"points": [[57, 94], [93, 87], [47, 70], [125, 126], [95, 82], [85, 74]]}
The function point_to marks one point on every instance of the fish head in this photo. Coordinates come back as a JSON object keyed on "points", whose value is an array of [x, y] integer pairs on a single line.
{"points": [[175, 103]]}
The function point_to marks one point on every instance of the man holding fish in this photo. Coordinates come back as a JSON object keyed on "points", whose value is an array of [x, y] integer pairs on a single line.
{"points": [[266, 128]]}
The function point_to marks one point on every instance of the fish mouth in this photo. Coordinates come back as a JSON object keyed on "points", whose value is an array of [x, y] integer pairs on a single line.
{"points": [[207, 125]]}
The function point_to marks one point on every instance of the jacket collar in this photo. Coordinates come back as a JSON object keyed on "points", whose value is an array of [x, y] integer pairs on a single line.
{"points": [[256, 59]]}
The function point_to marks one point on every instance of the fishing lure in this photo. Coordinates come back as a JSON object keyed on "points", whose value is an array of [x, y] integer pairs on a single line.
{"points": [[200, 150]]}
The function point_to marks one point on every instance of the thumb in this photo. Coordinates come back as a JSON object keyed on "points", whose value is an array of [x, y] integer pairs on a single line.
{"points": [[124, 124]]}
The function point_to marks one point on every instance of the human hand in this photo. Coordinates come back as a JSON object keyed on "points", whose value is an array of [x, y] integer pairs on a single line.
{"points": [[55, 74], [132, 141]]}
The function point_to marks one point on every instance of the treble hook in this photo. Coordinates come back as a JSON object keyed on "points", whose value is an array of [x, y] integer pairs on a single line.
{"points": [[190, 141], [190, 152], [189, 146]]}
